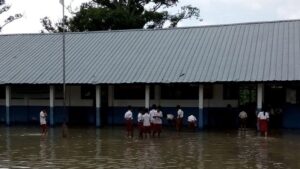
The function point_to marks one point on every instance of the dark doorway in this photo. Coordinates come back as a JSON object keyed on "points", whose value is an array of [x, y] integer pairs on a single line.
{"points": [[275, 96], [104, 105], [247, 101]]}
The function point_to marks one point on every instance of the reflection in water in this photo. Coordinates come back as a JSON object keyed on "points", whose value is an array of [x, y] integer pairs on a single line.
{"points": [[107, 148]]}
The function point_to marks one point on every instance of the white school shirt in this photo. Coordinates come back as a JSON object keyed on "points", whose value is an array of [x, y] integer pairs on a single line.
{"points": [[243, 115], [42, 117], [128, 115], [263, 116], [152, 112], [140, 117], [146, 119], [192, 118], [180, 113], [157, 117], [170, 116]]}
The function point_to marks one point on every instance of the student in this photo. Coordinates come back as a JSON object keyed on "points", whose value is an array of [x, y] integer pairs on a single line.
{"points": [[157, 122], [243, 119], [263, 120], [140, 122], [151, 113], [179, 119], [170, 119], [43, 122], [146, 123], [192, 120], [128, 121]]}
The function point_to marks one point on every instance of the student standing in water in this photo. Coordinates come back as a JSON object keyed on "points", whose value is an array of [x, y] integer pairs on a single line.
{"points": [[43, 122], [263, 120], [140, 122], [192, 120], [128, 122], [179, 119], [146, 124], [157, 122]]}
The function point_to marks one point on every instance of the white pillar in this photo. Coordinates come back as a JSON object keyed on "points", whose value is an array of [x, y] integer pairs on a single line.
{"points": [[259, 96], [147, 96], [98, 105], [110, 96], [200, 104], [157, 94], [52, 97], [7, 103]]}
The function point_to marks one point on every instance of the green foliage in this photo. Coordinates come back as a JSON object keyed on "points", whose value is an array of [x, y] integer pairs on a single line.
{"points": [[122, 14]]}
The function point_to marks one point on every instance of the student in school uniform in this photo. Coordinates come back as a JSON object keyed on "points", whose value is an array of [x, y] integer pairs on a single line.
{"points": [[179, 119], [146, 124], [192, 120], [140, 122], [151, 113], [128, 122], [263, 121], [157, 122]]}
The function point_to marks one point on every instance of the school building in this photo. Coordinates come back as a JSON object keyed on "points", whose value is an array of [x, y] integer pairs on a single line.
{"points": [[211, 71]]}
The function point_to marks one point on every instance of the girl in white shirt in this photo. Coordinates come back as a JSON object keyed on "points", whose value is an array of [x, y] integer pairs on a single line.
{"points": [[263, 120], [146, 124]]}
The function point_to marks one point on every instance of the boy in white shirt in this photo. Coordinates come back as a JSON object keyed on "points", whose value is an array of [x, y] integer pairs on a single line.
{"points": [[43, 122], [128, 122], [179, 119]]}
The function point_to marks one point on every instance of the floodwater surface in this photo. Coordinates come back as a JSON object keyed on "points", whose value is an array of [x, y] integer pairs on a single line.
{"points": [[22, 147]]}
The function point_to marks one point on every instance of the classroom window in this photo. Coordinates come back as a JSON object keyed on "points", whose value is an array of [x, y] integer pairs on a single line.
{"points": [[132, 92], [32, 92], [58, 92], [88, 92], [185, 91], [230, 92], [2, 92]]}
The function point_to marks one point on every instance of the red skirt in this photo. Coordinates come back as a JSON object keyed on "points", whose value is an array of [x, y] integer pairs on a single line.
{"points": [[192, 124], [263, 125], [147, 129], [140, 126]]}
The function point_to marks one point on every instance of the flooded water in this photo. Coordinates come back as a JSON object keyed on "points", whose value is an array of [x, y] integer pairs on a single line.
{"points": [[109, 148]]}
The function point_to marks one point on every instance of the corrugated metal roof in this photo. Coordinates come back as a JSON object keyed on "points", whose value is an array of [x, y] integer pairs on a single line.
{"points": [[267, 51]]}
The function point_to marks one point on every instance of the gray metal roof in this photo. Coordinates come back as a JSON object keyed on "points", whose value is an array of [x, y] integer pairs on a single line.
{"points": [[266, 51]]}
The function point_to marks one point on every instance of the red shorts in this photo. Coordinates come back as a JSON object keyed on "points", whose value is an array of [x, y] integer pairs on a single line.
{"points": [[128, 124], [43, 127]]}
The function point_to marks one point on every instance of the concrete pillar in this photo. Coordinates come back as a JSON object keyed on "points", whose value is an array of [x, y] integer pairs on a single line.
{"points": [[157, 94], [52, 97], [98, 105], [200, 116], [7, 104], [260, 90], [147, 96]]}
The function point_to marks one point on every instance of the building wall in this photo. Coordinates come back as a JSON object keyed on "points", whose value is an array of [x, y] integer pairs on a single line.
{"points": [[83, 111]]}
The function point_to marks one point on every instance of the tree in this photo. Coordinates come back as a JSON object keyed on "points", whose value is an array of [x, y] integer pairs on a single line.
{"points": [[9, 19], [122, 14]]}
